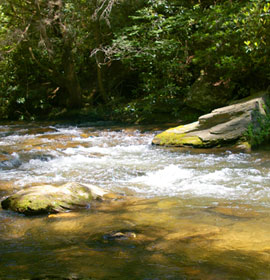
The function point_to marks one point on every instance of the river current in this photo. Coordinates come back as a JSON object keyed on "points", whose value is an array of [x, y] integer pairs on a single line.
{"points": [[188, 214]]}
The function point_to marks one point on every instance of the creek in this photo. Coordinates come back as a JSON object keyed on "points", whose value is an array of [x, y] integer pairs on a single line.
{"points": [[188, 214]]}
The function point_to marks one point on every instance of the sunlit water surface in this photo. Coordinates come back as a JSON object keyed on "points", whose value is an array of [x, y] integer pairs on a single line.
{"points": [[187, 214]]}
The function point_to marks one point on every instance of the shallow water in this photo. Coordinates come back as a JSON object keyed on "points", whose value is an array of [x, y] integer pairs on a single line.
{"points": [[187, 214]]}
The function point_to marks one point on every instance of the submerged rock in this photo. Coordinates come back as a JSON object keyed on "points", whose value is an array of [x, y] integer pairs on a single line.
{"points": [[235, 211], [226, 125], [51, 199], [119, 235]]}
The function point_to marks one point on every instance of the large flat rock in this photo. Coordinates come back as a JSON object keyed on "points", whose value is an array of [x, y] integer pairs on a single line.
{"points": [[222, 126]]}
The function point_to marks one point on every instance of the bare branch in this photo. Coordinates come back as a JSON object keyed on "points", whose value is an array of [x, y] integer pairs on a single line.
{"points": [[103, 10]]}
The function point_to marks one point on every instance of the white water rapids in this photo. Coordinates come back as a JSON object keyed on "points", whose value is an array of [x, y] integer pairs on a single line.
{"points": [[123, 160]]}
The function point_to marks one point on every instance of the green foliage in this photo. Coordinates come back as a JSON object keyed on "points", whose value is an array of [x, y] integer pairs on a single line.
{"points": [[141, 60], [258, 131], [230, 42], [170, 43], [46, 47], [154, 46]]}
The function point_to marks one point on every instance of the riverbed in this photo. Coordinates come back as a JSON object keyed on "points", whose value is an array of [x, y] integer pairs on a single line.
{"points": [[186, 214]]}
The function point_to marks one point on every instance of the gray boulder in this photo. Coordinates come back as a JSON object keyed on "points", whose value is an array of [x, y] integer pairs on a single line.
{"points": [[52, 199], [223, 126]]}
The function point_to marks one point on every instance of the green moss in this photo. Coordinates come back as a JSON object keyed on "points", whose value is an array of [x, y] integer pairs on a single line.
{"points": [[82, 193], [49, 199], [174, 139], [246, 145], [35, 204], [30, 204]]}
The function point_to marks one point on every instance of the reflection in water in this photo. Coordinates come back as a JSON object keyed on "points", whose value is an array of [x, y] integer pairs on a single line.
{"points": [[186, 215]]}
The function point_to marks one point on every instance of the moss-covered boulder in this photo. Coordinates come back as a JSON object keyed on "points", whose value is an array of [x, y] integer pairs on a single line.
{"points": [[224, 126], [179, 136], [52, 199]]}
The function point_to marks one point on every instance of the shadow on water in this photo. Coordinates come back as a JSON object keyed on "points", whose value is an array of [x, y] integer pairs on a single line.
{"points": [[139, 239]]}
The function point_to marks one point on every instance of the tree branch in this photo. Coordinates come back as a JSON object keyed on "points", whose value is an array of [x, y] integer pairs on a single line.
{"points": [[103, 10]]}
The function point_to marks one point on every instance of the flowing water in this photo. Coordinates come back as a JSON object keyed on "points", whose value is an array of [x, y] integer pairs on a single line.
{"points": [[187, 214]]}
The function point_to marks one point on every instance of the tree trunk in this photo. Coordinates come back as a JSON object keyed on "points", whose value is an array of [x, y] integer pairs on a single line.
{"points": [[100, 81], [99, 56], [70, 78]]}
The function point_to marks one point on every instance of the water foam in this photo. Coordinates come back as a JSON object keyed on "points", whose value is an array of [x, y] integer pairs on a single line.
{"points": [[121, 161]]}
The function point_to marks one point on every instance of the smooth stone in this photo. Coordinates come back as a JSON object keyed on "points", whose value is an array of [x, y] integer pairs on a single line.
{"points": [[119, 235], [52, 199]]}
